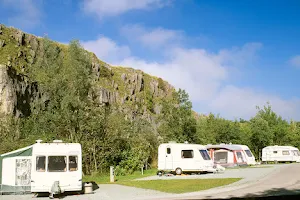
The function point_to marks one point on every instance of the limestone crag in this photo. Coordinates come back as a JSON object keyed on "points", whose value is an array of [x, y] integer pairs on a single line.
{"points": [[7, 93], [16, 92], [128, 88]]}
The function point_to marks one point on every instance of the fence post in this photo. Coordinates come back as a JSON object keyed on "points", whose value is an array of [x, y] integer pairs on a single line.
{"points": [[112, 174]]}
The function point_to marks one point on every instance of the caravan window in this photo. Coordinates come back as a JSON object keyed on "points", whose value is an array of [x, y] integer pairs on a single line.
{"points": [[187, 153], [73, 166], [296, 152], [220, 157], [204, 154], [40, 163], [285, 153], [168, 150], [240, 157], [57, 163], [248, 152], [275, 152]]}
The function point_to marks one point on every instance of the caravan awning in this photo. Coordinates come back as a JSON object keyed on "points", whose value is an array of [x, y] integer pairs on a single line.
{"points": [[225, 146], [26, 151]]}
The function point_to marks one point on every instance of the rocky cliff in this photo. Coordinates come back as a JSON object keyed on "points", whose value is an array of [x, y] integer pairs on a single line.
{"points": [[133, 91]]}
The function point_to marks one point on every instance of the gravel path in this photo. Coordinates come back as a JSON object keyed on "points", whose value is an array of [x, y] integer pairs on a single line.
{"points": [[114, 191], [284, 181]]}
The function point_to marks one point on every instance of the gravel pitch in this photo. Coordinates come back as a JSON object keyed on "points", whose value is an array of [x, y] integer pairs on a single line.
{"points": [[115, 191]]}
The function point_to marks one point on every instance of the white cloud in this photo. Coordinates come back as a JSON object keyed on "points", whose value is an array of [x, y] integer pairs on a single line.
{"points": [[206, 76], [295, 61], [26, 13], [234, 102], [107, 50], [154, 38], [240, 56], [115, 7], [197, 71]]}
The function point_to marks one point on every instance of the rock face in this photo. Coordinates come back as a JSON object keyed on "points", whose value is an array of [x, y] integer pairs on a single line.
{"points": [[103, 96], [7, 94], [2, 43], [16, 93], [128, 88]]}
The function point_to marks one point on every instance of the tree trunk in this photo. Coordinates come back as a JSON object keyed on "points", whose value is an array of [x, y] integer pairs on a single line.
{"points": [[94, 154]]}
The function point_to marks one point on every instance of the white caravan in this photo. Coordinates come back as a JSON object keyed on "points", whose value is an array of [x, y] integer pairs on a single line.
{"points": [[250, 159], [179, 158], [280, 154], [42, 167]]}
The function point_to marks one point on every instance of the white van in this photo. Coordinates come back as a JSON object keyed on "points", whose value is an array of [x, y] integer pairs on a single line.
{"points": [[41, 166], [280, 154], [183, 157]]}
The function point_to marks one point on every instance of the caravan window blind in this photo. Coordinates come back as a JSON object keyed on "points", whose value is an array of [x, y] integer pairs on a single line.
{"points": [[41, 163], [73, 166], [57, 163], [285, 153], [187, 153]]}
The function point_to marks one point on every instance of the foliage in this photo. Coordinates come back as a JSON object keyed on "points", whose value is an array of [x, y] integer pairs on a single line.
{"points": [[161, 84], [179, 124]]}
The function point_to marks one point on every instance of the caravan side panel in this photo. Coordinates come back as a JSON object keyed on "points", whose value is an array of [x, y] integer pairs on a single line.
{"points": [[184, 156], [161, 157], [8, 171]]}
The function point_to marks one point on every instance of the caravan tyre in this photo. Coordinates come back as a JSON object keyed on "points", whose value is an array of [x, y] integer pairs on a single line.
{"points": [[178, 171]]}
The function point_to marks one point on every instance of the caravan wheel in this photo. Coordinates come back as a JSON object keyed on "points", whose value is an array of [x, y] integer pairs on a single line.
{"points": [[178, 171]]}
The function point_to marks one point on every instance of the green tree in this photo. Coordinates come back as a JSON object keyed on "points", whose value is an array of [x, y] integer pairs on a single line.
{"points": [[278, 126], [178, 122], [261, 134]]}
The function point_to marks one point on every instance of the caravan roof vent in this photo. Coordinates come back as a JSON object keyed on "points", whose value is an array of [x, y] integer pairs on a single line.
{"points": [[186, 142], [57, 141], [222, 144], [172, 141], [39, 141]]}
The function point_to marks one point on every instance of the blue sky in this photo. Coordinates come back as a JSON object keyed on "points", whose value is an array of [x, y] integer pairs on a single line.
{"points": [[229, 55]]}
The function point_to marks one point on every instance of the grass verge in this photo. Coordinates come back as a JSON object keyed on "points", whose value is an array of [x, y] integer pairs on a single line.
{"points": [[180, 186], [103, 179], [253, 166]]}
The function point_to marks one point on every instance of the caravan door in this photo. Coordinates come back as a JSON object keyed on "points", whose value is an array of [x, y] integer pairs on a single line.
{"points": [[169, 158]]}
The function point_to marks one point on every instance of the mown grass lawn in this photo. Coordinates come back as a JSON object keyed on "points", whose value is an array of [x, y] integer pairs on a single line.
{"points": [[103, 179], [180, 186]]}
